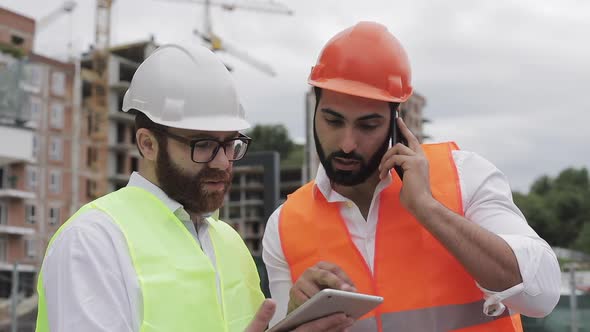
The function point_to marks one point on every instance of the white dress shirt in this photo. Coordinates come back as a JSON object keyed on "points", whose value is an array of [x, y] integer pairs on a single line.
{"points": [[487, 201], [89, 279]]}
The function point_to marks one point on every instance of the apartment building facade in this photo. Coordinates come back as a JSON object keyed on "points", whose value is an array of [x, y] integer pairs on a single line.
{"points": [[35, 157], [259, 186]]}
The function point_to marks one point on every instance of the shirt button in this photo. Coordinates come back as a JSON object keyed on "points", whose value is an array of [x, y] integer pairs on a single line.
{"points": [[349, 204]]}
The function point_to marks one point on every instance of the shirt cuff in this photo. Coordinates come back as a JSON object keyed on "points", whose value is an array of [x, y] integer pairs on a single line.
{"points": [[493, 305], [528, 256]]}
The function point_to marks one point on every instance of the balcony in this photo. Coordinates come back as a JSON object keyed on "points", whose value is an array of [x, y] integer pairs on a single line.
{"points": [[120, 86], [16, 230], [255, 202], [5, 266], [16, 193], [19, 147]]}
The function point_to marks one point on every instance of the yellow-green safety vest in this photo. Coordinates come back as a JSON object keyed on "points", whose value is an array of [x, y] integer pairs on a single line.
{"points": [[177, 280]]}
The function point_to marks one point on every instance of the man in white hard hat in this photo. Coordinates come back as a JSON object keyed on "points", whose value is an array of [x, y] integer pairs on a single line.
{"points": [[149, 257]]}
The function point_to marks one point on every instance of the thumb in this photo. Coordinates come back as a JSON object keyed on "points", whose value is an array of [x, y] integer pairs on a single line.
{"points": [[262, 317]]}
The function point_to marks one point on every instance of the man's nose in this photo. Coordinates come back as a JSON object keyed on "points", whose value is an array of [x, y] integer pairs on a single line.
{"points": [[348, 143]]}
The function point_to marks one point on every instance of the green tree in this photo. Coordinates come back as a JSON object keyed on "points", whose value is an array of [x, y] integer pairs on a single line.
{"points": [[271, 138], [559, 208], [541, 218], [583, 241]]}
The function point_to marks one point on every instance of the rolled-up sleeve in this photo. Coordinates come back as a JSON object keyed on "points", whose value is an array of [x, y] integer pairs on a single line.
{"points": [[487, 200]]}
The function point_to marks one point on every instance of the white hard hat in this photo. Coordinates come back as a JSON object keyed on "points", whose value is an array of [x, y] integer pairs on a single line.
{"points": [[186, 88]]}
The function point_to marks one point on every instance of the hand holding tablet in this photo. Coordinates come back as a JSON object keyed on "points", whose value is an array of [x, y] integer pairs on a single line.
{"points": [[328, 302]]}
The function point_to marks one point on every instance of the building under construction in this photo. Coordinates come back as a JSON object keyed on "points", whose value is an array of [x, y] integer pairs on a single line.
{"points": [[107, 137]]}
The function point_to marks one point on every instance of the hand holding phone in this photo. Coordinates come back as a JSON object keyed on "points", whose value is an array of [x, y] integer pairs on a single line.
{"points": [[397, 137]]}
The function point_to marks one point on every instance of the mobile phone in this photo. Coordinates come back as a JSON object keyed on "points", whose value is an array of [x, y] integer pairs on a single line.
{"points": [[397, 137]]}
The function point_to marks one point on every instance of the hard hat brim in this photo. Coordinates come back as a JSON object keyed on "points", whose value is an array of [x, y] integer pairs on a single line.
{"points": [[358, 89]]}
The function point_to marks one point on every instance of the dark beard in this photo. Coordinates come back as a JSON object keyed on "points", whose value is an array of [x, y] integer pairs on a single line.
{"points": [[188, 190], [349, 178]]}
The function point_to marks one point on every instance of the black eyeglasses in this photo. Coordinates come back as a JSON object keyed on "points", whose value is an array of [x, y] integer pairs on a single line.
{"points": [[204, 150]]}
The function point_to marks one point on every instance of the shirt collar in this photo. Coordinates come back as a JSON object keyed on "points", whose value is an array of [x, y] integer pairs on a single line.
{"points": [[323, 186], [137, 180]]}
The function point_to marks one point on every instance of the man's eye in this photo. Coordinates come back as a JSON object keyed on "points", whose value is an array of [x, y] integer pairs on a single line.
{"points": [[334, 122], [204, 144], [368, 127]]}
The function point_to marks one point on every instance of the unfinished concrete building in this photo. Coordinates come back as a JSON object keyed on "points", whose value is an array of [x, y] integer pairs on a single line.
{"points": [[107, 138]]}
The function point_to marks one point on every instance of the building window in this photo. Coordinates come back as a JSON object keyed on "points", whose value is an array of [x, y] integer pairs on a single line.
{"points": [[55, 181], [2, 177], [89, 124], [132, 132], [120, 163], [58, 83], [3, 214], [33, 75], [35, 112], [30, 248], [32, 178], [234, 196], [35, 146], [30, 213], [3, 248], [55, 148], [56, 119], [90, 188], [17, 40], [89, 156], [134, 164], [53, 215], [120, 133]]}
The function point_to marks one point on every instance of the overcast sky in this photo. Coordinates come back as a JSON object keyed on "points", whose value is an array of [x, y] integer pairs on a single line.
{"points": [[507, 79]]}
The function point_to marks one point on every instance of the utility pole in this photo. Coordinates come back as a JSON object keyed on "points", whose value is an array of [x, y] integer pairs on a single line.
{"points": [[573, 298], [14, 298], [77, 125]]}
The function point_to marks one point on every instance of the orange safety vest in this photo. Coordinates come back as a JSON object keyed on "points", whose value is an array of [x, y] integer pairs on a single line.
{"points": [[424, 287]]}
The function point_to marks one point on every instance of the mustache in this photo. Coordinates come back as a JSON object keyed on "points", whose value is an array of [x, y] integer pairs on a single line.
{"points": [[215, 175], [350, 155]]}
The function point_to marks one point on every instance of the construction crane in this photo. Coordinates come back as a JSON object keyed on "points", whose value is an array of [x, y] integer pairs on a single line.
{"points": [[98, 103], [258, 6], [66, 7], [217, 44]]}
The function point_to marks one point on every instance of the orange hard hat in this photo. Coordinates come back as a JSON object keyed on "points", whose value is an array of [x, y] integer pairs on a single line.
{"points": [[365, 60]]}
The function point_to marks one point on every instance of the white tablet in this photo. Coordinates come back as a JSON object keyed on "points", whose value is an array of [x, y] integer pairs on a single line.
{"points": [[325, 303]]}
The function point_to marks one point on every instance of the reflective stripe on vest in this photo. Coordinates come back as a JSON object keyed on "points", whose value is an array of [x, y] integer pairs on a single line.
{"points": [[177, 280], [424, 287], [459, 317]]}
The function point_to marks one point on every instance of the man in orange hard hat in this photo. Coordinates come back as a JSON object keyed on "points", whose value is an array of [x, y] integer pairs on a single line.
{"points": [[431, 228]]}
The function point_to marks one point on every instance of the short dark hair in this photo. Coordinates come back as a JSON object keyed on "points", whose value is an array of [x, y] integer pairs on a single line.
{"points": [[143, 121], [318, 95]]}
